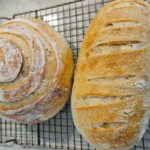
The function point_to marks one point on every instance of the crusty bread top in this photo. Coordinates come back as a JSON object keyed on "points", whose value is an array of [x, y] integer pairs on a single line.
{"points": [[110, 100], [37, 71]]}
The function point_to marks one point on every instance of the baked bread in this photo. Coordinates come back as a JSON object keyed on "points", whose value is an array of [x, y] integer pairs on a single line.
{"points": [[36, 68], [111, 98]]}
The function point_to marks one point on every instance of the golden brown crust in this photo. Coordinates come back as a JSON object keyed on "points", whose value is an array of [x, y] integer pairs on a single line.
{"points": [[43, 83], [110, 103]]}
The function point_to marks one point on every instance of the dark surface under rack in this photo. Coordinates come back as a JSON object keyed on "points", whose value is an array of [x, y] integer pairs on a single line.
{"points": [[71, 20]]}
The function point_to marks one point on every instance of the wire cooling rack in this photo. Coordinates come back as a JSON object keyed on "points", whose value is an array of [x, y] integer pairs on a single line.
{"points": [[71, 20]]}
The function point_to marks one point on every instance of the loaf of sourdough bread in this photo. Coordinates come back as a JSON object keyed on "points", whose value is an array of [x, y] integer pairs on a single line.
{"points": [[36, 68], [111, 91]]}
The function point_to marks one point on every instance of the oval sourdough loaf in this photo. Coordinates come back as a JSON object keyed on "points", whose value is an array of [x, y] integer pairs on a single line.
{"points": [[35, 71], [111, 92]]}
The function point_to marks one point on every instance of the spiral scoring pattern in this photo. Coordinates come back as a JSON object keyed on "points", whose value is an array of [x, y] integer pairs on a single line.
{"points": [[35, 71]]}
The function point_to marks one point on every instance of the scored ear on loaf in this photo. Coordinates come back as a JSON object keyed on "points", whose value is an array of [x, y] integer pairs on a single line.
{"points": [[36, 69], [110, 97]]}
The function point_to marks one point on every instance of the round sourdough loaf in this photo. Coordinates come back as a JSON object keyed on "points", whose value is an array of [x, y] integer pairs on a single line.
{"points": [[111, 92], [36, 69]]}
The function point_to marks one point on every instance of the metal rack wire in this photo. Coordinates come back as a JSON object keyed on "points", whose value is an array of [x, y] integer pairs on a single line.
{"points": [[4, 19], [71, 20]]}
